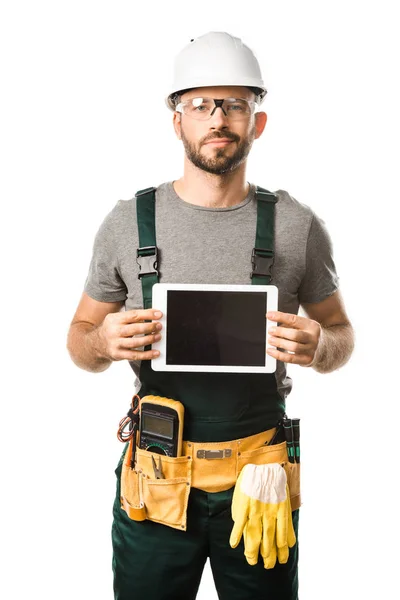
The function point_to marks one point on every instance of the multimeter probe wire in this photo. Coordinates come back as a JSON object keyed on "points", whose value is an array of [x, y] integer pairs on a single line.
{"points": [[131, 419]]}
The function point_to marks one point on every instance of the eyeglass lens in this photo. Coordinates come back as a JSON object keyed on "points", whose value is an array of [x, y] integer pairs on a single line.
{"points": [[204, 108]]}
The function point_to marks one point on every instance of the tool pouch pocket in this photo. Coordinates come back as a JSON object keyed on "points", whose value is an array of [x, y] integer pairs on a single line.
{"points": [[276, 453], [293, 478], [131, 495], [165, 500]]}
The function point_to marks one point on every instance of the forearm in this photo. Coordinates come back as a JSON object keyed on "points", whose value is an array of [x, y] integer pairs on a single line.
{"points": [[86, 347], [335, 347]]}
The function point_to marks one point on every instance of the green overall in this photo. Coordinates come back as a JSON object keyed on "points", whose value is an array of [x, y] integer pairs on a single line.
{"points": [[154, 561]]}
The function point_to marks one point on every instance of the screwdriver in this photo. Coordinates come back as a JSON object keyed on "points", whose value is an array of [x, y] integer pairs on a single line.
{"points": [[296, 438], [287, 427]]}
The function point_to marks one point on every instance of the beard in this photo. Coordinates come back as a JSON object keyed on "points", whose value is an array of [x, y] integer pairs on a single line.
{"points": [[221, 162]]}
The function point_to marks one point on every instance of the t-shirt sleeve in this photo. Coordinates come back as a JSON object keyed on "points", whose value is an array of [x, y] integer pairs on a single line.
{"points": [[320, 278], [104, 282]]}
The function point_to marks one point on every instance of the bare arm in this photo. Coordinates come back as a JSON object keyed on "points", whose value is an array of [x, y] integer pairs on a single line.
{"points": [[84, 344], [335, 347], [100, 333], [323, 340], [336, 342]]}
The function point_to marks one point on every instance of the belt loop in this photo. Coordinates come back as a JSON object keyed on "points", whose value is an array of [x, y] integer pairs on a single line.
{"points": [[189, 450]]}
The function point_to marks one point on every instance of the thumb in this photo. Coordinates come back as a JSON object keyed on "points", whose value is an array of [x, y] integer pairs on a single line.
{"points": [[237, 531]]}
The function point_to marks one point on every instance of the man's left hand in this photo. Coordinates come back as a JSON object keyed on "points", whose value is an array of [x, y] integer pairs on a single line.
{"points": [[298, 335]]}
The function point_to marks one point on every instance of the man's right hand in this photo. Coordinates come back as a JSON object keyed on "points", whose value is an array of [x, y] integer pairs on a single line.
{"points": [[122, 334]]}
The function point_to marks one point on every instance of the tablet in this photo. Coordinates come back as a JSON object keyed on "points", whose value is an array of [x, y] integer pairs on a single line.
{"points": [[214, 328]]}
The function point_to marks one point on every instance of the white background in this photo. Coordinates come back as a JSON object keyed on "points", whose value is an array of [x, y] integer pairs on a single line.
{"points": [[83, 124]]}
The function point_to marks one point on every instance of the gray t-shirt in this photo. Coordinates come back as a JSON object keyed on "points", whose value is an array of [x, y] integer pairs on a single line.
{"points": [[214, 245]]}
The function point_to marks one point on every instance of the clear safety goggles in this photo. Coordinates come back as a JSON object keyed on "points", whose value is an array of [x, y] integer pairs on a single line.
{"points": [[202, 109]]}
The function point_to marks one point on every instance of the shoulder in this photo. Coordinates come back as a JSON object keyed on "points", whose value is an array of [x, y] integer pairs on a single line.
{"points": [[125, 206], [122, 218], [289, 204], [117, 218], [292, 215], [124, 210]]}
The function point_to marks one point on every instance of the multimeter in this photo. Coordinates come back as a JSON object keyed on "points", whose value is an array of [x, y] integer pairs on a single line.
{"points": [[161, 425]]}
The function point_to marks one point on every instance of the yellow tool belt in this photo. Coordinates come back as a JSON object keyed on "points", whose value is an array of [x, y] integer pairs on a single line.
{"points": [[210, 466]]}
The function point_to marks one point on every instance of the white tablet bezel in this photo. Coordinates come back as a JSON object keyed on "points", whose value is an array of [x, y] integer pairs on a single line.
{"points": [[159, 302]]}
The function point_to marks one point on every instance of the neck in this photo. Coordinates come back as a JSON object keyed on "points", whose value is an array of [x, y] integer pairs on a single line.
{"points": [[213, 191]]}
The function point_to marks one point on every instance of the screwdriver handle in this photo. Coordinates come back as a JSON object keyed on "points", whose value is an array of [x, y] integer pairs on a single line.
{"points": [[296, 438], [287, 427]]}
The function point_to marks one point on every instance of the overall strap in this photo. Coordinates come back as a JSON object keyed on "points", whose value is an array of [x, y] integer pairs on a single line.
{"points": [[262, 258], [147, 253]]}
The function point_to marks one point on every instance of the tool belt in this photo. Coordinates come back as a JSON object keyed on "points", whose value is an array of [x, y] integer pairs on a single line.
{"points": [[210, 466]]}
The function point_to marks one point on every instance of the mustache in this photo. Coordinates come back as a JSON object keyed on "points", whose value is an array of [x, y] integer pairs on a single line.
{"points": [[227, 135]]}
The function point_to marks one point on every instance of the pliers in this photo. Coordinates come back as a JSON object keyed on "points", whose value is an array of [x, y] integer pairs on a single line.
{"points": [[158, 474]]}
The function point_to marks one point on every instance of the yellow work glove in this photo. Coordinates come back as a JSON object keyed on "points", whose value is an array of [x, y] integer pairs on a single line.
{"points": [[262, 514]]}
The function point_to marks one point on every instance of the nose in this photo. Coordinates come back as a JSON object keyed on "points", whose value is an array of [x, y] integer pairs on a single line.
{"points": [[218, 118], [218, 103]]}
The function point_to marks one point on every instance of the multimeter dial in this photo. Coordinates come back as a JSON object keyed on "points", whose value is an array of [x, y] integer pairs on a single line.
{"points": [[156, 448]]}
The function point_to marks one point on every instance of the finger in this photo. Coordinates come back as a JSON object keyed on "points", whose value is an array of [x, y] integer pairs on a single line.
{"points": [[268, 537], [297, 335], [253, 539], [240, 514], [282, 524], [286, 537], [288, 319], [270, 560], [237, 532], [291, 531], [288, 345], [131, 329], [137, 315], [283, 554], [139, 341], [252, 559], [297, 359], [136, 355]]}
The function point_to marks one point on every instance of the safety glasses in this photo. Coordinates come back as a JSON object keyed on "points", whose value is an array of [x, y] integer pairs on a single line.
{"points": [[202, 109]]}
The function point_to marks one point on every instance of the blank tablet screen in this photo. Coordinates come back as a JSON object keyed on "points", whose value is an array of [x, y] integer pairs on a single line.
{"points": [[216, 328]]}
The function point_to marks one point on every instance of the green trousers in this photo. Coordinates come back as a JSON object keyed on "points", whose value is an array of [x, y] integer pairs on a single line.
{"points": [[155, 562]]}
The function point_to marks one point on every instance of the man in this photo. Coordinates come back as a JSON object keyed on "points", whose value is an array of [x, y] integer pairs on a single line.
{"points": [[206, 224]]}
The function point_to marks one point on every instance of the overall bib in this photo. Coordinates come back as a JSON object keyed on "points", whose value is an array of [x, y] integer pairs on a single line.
{"points": [[151, 560]]}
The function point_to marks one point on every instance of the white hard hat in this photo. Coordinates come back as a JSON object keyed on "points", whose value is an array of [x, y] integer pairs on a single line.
{"points": [[214, 59]]}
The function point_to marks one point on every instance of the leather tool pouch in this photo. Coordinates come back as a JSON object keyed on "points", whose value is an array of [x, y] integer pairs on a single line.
{"points": [[131, 494], [161, 500], [165, 500]]}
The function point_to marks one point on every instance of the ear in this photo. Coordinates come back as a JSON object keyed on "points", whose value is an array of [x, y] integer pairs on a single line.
{"points": [[260, 123], [176, 121]]}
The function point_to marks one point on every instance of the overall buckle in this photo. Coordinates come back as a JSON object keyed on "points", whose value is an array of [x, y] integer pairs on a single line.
{"points": [[262, 263], [147, 259]]}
